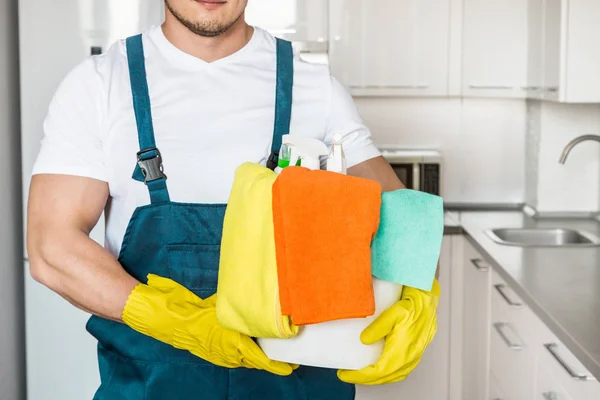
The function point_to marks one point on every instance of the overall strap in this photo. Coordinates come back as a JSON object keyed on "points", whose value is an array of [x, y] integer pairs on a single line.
{"points": [[283, 99], [149, 167]]}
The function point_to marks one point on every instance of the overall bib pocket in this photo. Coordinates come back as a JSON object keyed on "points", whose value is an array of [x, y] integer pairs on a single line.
{"points": [[195, 266]]}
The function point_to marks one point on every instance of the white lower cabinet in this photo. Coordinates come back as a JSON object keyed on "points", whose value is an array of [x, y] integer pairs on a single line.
{"points": [[476, 325], [496, 392], [529, 361], [430, 379], [547, 388], [508, 352], [512, 362], [567, 376]]}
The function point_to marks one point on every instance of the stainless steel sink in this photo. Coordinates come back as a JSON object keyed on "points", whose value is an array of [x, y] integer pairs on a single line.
{"points": [[543, 237]]}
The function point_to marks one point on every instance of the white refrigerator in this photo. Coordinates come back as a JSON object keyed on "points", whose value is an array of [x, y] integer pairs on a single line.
{"points": [[54, 36]]}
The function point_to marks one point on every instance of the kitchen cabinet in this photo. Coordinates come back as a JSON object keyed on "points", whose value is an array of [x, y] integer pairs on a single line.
{"points": [[547, 388], [495, 42], [476, 324], [305, 23], [394, 48], [496, 392], [553, 14], [512, 361], [527, 360], [566, 50], [535, 48], [430, 379], [508, 353]]}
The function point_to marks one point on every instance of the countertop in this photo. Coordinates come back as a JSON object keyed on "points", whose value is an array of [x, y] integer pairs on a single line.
{"points": [[560, 285]]}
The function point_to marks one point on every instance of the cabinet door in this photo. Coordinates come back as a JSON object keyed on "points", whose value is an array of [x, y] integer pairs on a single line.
{"points": [[397, 47], [476, 328], [535, 48], [429, 380], [346, 27], [495, 48], [553, 25], [581, 53]]}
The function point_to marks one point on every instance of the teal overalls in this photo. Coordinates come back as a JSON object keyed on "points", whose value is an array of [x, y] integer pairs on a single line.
{"points": [[182, 241]]}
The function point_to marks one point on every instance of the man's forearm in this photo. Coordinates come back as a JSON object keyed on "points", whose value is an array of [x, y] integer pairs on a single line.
{"points": [[81, 271], [378, 169]]}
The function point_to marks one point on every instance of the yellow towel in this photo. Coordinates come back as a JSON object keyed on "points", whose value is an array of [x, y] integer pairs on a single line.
{"points": [[248, 291]]}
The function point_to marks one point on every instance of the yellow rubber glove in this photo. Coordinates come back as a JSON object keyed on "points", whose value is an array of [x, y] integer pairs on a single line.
{"points": [[167, 311], [408, 328]]}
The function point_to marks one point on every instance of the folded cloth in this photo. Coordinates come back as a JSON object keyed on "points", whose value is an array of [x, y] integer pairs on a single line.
{"points": [[408, 242], [247, 290], [324, 225]]}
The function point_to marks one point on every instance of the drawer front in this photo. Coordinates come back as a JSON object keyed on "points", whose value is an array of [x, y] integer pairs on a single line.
{"points": [[496, 393], [511, 361], [567, 371], [547, 387]]}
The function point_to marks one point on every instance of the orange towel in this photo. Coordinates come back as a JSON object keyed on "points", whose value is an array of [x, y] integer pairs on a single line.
{"points": [[324, 223]]}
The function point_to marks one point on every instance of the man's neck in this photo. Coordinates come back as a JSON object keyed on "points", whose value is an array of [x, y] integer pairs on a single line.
{"points": [[208, 49]]}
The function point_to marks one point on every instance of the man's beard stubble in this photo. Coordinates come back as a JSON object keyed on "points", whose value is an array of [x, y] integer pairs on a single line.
{"points": [[206, 29]]}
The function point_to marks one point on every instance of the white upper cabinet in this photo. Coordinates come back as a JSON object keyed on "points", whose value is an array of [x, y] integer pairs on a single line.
{"points": [[495, 36], [569, 60], [305, 23], [390, 47], [535, 65]]}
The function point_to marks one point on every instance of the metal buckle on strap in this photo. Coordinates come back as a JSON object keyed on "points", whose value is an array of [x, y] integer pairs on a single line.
{"points": [[152, 167], [272, 161]]}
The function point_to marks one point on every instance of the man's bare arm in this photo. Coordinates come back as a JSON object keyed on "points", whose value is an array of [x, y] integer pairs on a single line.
{"points": [[62, 211], [378, 169]]}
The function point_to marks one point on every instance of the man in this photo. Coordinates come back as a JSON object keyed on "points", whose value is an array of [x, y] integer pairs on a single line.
{"points": [[201, 92]]}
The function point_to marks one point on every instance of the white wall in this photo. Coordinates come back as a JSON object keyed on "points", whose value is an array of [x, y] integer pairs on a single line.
{"points": [[482, 141], [551, 186], [12, 352], [61, 356]]}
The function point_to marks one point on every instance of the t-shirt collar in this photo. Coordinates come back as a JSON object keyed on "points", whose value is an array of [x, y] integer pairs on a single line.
{"points": [[183, 59]]}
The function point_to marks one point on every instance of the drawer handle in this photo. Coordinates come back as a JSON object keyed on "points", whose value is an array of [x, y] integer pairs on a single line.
{"points": [[423, 86], [478, 263], [491, 87], [553, 349], [500, 288], [500, 326], [530, 87], [550, 396]]}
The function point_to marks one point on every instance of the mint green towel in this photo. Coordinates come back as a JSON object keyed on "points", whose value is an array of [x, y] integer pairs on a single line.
{"points": [[407, 245]]}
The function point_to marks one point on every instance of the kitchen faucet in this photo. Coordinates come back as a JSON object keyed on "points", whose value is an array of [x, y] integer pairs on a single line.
{"points": [[575, 142]]}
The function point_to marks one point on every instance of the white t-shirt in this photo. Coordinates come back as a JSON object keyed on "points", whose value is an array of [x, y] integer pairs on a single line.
{"points": [[208, 119]]}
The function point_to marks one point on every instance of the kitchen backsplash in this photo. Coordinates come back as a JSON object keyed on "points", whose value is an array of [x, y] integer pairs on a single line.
{"points": [[482, 141], [553, 187]]}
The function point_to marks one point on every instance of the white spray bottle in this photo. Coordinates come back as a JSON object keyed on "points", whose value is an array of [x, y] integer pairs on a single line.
{"points": [[336, 162], [307, 150]]}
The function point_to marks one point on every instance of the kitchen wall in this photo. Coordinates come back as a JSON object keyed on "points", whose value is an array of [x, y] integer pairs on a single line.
{"points": [[12, 368], [553, 187], [482, 141]]}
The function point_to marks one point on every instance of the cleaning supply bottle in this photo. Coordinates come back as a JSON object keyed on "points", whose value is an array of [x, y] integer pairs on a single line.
{"points": [[301, 151], [336, 162]]}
